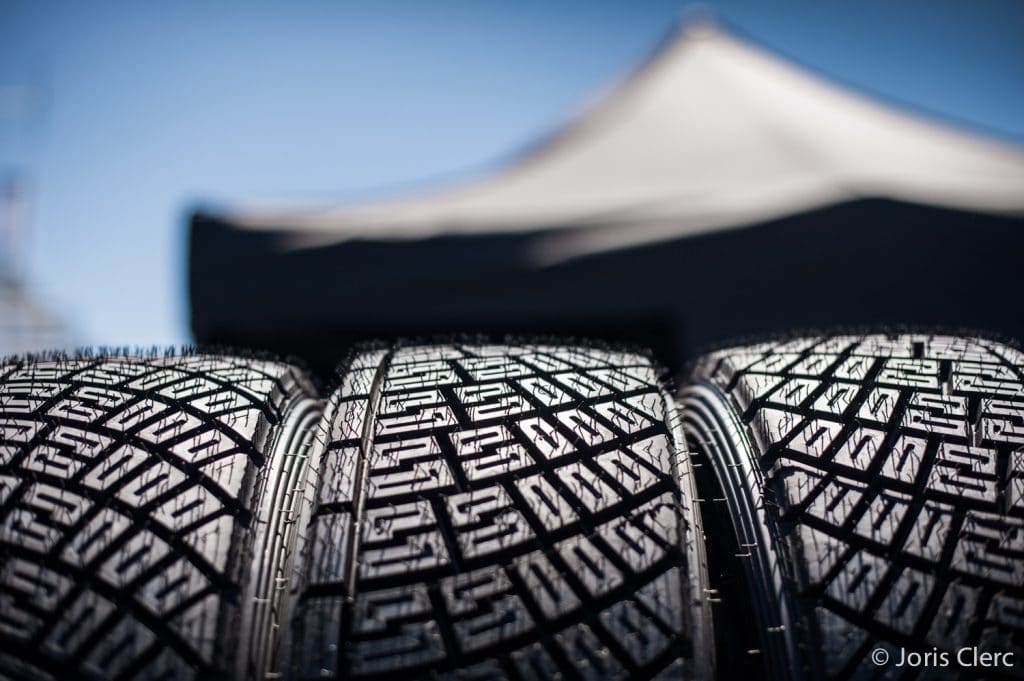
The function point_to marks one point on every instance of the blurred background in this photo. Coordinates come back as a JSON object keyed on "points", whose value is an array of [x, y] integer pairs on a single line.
{"points": [[118, 119]]}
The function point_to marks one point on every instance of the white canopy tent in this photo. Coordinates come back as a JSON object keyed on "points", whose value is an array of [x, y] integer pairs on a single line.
{"points": [[626, 225], [711, 133]]}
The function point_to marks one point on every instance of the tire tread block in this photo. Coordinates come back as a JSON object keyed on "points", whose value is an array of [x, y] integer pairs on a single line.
{"points": [[894, 474], [519, 518], [128, 486]]}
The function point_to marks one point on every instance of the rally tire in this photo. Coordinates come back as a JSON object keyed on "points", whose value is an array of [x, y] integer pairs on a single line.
{"points": [[488, 512], [876, 487], [132, 493]]}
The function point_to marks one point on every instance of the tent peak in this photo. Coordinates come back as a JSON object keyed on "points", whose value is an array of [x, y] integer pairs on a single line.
{"points": [[698, 21]]}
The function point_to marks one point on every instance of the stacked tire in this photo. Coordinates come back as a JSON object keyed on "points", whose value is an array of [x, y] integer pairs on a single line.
{"points": [[876, 488], [515, 511]]}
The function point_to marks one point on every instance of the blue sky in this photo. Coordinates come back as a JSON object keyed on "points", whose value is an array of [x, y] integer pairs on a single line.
{"points": [[145, 110]]}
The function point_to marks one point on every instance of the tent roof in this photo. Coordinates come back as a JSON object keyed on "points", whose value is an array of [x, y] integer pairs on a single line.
{"points": [[711, 133]]}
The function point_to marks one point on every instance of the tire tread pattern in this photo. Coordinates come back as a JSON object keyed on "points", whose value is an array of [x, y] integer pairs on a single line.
{"points": [[509, 512], [894, 466], [127, 492]]}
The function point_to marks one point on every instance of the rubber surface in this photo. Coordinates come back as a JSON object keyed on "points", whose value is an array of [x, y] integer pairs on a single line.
{"points": [[876, 486], [130, 493], [502, 512]]}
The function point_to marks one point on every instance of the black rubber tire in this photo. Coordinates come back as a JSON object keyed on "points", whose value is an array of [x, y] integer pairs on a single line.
{"points": [[488, 512], [143, 514], [876, 488]]}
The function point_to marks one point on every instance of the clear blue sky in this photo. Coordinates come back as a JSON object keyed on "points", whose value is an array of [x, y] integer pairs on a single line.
{"points": [[147, 109]]}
